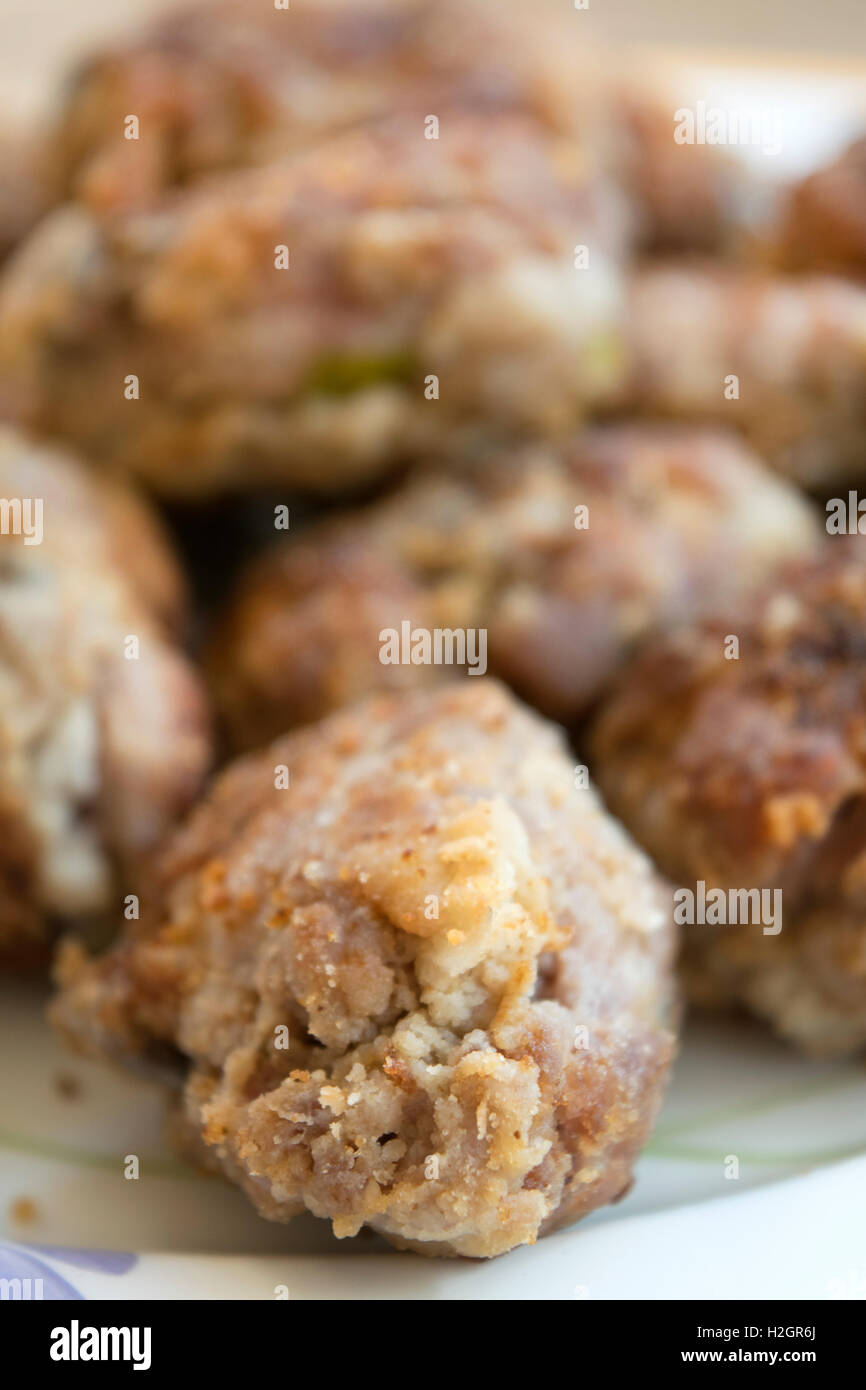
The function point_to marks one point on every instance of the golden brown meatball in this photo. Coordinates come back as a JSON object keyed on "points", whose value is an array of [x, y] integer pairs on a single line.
{"points": [[750, 774], [797, 348], [101, 749], [226, 85], [415, 272], [424, 987], [823, 224], [676, 521], [313, 321]]}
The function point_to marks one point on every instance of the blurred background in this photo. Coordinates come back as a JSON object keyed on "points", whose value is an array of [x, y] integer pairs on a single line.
{"points": [[39, 37]]}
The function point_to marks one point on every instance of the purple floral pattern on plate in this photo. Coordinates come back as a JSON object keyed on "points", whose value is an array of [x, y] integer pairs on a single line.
{"points": [[104, 1261], [26, 1277], [25, 1273]]}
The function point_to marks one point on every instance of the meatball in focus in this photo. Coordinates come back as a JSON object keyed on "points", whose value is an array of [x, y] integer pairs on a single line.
{"points": [[566, 557], [422, 984], [316, 320], [103, 745], [750, 773]]}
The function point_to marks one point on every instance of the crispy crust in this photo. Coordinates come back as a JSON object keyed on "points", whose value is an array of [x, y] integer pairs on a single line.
{"points": [[98, 754], [409, 258], [411, 1036], [678, 520], [751, 773]]}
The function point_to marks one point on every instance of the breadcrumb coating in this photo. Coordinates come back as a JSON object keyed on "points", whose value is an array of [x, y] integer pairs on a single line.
{"points": [[425, 987]]}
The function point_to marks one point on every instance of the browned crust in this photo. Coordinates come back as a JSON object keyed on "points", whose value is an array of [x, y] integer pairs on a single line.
{"points": [[410, 1035], [751, 773], [410, 259], [678, 521]]}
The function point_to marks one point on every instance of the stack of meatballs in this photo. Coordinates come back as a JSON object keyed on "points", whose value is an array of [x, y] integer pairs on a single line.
{"points": [[395, 316]]}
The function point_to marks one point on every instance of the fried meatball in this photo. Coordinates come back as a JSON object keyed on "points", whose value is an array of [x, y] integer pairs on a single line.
{"points": [[226, 85], [101, 749], [24, 191], [823, 224], [312, 321], [683, 197], [750, 773], [796, 346], [424, 987], [676, 520]]}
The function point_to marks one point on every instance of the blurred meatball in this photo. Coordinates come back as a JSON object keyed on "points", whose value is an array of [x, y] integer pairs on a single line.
{"points": [[24, 190], [425, 988], [312, 321], [99, 754], [823, 223], [796, 346], [683, 197], [221, 86], [676, 520], [750, 773]]}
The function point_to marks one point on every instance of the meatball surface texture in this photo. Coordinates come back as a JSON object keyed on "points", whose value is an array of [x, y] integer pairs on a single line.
{"points": [[750, 774], [104, 735], [565, 556], [424, 987]]}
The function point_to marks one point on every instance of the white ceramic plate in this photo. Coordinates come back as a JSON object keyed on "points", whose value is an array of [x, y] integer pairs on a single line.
{"points": [[791, 1223]]}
